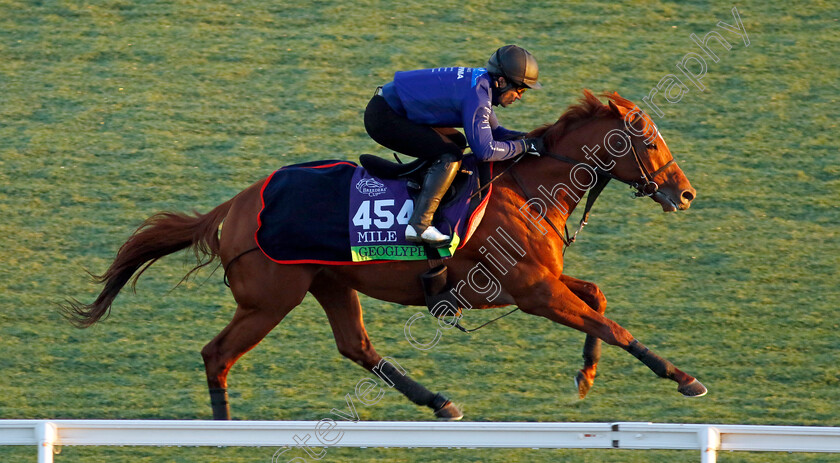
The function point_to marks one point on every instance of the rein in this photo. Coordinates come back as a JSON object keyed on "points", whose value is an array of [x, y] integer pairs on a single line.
{"points": [[487, 185], [649, 187]]}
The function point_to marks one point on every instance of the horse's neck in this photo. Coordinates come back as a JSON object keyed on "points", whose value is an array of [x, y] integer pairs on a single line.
{"points": [[548, 183]]}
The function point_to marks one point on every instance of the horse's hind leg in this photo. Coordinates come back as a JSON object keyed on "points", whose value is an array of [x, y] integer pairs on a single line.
{"points": [[594, 298], [341, 303], [265, 293]]}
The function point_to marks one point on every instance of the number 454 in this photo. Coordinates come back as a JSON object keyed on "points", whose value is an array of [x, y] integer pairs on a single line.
{"points": [[383, 217]]}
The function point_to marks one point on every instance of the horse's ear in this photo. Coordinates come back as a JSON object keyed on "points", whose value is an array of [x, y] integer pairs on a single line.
{"points": [[615, 109]]}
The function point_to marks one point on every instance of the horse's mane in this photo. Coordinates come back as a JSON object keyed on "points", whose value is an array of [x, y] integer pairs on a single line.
{"points": [[590, 107]]}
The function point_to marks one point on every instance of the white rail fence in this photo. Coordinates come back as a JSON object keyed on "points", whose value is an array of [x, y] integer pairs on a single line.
{"points": [[707, 438]]}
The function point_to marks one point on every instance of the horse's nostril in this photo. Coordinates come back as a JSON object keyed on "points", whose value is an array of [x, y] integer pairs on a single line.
{"points": [[688, 196]]}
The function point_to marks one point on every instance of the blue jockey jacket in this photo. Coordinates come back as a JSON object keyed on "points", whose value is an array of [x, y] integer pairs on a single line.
{"points": [[454, 97]]}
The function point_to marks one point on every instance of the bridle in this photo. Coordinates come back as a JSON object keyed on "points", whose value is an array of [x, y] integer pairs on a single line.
{"points": [[650, 187], [646, 185]]}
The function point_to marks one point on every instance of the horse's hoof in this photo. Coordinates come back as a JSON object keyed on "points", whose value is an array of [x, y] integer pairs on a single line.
{"points": [[693, 389], [582, 383], [448, 412]]}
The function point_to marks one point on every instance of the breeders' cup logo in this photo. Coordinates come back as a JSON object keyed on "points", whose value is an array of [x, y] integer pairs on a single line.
{"points": [[371, 187]]}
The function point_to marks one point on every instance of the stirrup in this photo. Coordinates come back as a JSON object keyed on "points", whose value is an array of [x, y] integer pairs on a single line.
{"points": [[430, 235], [439, 299]]}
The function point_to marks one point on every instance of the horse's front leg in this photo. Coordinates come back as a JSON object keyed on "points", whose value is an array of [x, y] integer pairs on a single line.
{"points": [[554, 300], [590, 294]]}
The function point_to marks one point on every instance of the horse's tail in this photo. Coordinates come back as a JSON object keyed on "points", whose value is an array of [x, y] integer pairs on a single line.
{"points": [[160, 235]]}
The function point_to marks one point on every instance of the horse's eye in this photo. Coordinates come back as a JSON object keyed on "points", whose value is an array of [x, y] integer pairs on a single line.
{"points": [[650, 146]]}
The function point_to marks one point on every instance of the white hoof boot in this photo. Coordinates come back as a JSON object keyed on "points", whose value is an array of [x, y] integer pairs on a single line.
{"points": [[430, 235]]}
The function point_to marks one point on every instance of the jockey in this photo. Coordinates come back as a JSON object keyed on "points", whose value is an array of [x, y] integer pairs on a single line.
{"points": [[416, 112]]}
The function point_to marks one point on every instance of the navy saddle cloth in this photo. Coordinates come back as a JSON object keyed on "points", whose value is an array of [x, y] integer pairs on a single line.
{"points": [[337, 213]]}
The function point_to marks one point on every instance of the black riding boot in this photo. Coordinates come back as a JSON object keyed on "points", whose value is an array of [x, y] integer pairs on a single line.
{"points": [[437, 181]]}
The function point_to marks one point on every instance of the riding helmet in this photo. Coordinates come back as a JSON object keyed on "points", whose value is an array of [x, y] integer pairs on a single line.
{"points": [[516, 65]]}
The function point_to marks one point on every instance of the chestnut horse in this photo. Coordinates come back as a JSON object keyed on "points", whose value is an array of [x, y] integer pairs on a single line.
{"points": [[534, 191]]}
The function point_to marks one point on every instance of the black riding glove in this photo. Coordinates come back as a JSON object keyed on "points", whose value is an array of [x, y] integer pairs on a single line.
{"points": [[534, 146]]}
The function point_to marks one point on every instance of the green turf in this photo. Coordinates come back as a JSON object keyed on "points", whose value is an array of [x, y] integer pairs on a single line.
{"points": [[113, 110]]}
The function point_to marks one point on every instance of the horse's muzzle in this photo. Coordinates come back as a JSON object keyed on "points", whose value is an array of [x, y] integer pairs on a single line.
{"points": [[671, 202], [686, 197]]}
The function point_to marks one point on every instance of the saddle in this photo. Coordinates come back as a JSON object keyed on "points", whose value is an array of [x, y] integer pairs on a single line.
{"points": [[384, 168], [413, 173]]}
